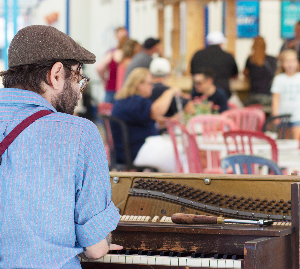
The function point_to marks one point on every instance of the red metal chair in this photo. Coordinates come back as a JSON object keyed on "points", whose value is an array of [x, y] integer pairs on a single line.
{"points": [[211, 126], [105, 108], [190, 147], [249, 119], [242, 142]]}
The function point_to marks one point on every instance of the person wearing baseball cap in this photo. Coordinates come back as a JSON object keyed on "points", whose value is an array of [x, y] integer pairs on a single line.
{"points": [[214, 57], [151, 46], [160, 69], [55, 186]]}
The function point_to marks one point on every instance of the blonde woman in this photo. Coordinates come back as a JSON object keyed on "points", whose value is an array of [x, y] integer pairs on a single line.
{"points": [[140, 113], [260, 70], [286, 90]]}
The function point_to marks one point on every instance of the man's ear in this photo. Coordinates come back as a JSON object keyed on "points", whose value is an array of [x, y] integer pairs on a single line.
{"points": [[57, 76]]}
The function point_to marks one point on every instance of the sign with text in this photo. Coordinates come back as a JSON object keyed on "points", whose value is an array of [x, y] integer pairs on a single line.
{"points": [[247, 19], [290, 14]]}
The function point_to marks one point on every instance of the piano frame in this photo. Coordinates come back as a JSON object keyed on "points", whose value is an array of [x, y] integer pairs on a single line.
{"points": [[273, 247]]}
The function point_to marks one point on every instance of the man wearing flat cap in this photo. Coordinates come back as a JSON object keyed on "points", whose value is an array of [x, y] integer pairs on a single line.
{"points": [[55, 193], [143, 59]]}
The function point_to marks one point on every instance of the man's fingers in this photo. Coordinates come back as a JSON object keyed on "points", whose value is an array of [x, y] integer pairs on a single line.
{"points": [[115, 247]]}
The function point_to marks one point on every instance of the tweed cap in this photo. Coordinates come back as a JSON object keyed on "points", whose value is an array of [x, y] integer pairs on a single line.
{"points": [[38, 43]]}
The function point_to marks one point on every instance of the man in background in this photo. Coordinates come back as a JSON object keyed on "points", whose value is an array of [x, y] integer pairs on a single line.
{"points": [[221, 62], [151, 46], [204, 85], [55, 185], [160, 69]]}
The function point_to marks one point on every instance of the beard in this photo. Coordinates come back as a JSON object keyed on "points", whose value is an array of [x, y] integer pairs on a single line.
{"points": [[67, 100]]}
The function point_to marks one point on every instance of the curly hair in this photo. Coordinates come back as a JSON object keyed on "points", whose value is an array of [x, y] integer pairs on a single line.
{"points": [[30, 77]]}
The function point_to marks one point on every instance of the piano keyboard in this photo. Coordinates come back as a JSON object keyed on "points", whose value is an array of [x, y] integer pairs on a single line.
{"points": [[168, 258]]}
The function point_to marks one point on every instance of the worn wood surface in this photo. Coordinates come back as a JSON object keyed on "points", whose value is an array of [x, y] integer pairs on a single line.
{"points": [[273, 253], [229, 239]]}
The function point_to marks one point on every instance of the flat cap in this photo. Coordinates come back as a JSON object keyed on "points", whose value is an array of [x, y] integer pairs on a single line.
{"points": [[38, 43]]}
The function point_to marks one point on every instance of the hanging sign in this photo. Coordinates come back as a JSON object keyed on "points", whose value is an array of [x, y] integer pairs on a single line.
{"points": [[290, 14], [247, 19]]}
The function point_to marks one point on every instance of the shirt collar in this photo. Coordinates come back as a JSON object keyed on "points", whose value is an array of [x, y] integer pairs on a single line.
{"points": [[18, 97]]}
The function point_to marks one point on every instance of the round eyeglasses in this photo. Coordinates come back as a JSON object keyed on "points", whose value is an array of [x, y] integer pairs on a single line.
{"points": [[83, 82]]}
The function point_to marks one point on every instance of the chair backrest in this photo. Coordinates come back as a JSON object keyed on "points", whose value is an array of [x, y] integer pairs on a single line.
{"points": [[241, 141], [210, 126], [105, 108], [279, 124], [189, 144], [250, 119], [249, 164], [123, 132]]}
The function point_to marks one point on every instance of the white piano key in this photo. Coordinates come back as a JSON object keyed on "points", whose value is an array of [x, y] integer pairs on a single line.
{"points": [[166, 260], [159, 260], [152, 260], [237, 264], [174, 261], [128, 259], [205, 262], [136, 259], [114, 258], [229, 263], [144, 259], [106, 258], [122, 259], [182, 261], [222, 263], [213, 263]]}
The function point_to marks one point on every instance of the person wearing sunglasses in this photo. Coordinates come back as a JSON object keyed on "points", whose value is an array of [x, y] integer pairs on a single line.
{"points": [[55, 187]]}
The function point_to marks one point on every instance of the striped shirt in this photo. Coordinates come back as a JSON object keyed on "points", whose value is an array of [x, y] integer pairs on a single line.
{"points": [[55, 193]]}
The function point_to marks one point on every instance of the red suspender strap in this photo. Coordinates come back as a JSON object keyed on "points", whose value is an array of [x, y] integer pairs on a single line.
{"points": [[19, 128]]}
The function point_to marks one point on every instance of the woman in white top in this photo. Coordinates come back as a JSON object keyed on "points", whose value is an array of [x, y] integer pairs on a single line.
{"points": [[286, 90]]}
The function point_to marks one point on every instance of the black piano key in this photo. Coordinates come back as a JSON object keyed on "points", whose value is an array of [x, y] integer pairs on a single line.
{"points": [[218, 256], [153, 253], [164, 253], [184, 254], [173, 254], [205, 255], [227, 256], [130, 252], [196, 255], [237, 257], [142, 252]]}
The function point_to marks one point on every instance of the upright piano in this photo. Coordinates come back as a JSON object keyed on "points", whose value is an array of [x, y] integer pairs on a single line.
{"points": [[146, 202]]}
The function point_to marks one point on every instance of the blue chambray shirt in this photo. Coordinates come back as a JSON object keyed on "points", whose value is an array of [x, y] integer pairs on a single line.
{"points": [[55, 193]]}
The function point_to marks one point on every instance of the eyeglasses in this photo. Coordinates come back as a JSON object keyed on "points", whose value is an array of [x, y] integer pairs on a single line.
{"points": [[198, 83], [83, 82]]}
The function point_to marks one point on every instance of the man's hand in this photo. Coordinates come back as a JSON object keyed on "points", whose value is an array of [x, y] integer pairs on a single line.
{"points": [[98, 250]]}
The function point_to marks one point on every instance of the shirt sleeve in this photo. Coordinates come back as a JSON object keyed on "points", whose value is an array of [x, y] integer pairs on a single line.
{"points": [[95, 214], [276, 85]]}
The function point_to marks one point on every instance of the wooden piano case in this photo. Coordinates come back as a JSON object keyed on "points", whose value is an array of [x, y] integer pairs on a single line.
{"points": [[231, 196]]}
